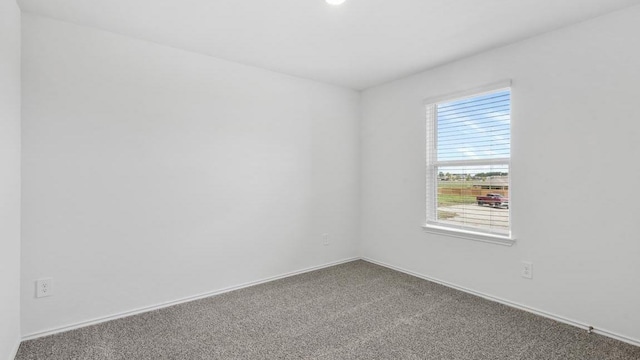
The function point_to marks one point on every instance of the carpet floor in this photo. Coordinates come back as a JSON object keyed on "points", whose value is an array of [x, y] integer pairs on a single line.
{"points": [[356, 310]]}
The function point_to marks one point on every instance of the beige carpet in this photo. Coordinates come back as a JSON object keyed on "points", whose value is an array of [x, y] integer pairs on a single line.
{"points": [[352, 311]]}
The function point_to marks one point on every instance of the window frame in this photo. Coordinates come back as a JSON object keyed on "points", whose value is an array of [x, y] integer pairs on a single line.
{"points": [[431, 224]]}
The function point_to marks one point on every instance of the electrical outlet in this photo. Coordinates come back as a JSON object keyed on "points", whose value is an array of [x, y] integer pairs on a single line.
{"points": [[44, 287], [527, 269], [325, 239]]}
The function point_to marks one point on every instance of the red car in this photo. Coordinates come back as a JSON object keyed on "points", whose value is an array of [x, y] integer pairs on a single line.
{"points": [[495, 200]]}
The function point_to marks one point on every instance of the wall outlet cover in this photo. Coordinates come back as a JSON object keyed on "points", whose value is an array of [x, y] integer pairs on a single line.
{"points": [[44, 287], [527, 270]]}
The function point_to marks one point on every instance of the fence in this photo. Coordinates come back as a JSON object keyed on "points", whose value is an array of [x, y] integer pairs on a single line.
{"points": [[471, 191]]}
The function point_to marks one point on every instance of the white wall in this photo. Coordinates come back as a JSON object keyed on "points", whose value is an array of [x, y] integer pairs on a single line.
{"points": [[152, 174], [575, 172], [9, 178]]}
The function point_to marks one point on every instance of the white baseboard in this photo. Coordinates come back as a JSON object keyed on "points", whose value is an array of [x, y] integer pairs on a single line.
{"points": [[102, 319], [14, 353], [555, 317]]}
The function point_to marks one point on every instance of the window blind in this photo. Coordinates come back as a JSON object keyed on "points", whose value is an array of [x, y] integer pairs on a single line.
{"points": [[468, 160]]}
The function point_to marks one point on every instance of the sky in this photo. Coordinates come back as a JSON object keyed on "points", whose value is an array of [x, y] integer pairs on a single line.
{"points": [[475, 128]]}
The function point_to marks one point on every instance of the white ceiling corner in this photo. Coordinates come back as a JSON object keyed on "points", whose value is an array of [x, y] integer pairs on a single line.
{"points": [[359, 44]]}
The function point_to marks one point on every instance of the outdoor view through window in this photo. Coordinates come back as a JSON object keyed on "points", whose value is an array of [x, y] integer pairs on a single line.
{"points": [[468, 162]]}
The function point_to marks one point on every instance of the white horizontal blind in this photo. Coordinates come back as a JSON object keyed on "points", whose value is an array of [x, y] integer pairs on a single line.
{"points": [[468, 156]]}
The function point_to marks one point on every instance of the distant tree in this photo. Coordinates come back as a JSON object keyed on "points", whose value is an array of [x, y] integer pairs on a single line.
{"points": [[492, 173]]}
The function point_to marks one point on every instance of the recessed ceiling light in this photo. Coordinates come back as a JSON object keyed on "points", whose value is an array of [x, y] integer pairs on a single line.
{"points": [[335, 2]]}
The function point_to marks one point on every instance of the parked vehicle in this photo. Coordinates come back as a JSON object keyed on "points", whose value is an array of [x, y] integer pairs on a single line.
{"points": [[495, 200]]}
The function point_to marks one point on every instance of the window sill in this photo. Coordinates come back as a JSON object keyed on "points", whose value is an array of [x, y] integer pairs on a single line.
{"points": [[469, 235]]}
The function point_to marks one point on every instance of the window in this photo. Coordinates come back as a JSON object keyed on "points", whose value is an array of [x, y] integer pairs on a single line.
{"points": [[468, 161]]}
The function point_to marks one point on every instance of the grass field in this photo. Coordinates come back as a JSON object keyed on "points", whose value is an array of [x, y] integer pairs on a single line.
{"points": [[443, 215], [456, 184], [448, 200]]}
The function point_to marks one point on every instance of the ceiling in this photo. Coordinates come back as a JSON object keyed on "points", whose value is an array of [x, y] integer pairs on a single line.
{"points": [[360, 44]]}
